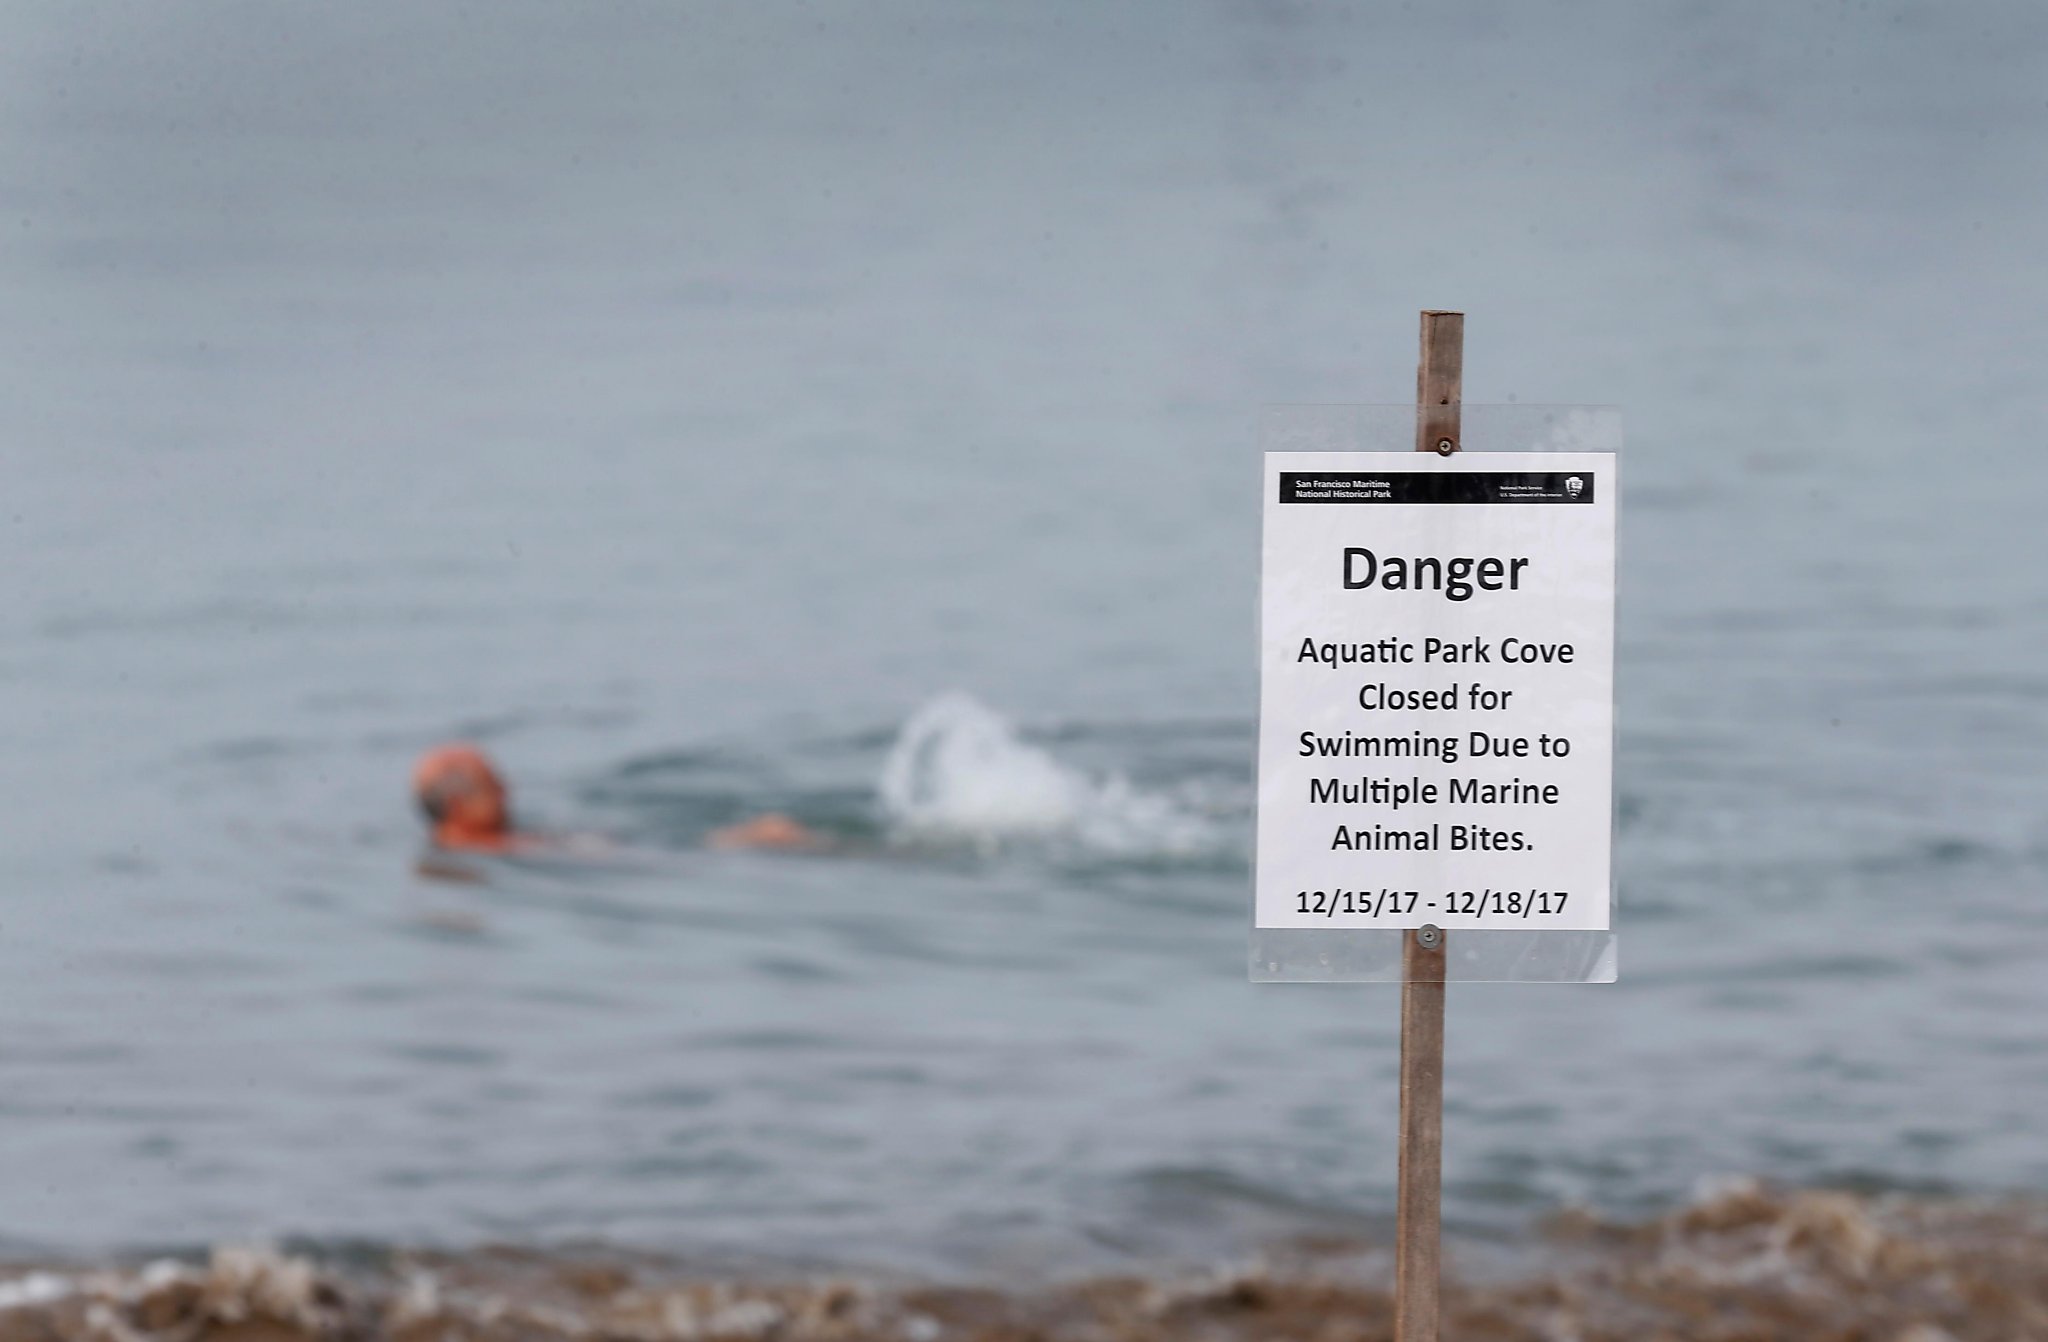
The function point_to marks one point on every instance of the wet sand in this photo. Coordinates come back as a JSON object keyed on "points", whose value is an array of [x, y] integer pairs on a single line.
{"points": [[1746, 1263]]}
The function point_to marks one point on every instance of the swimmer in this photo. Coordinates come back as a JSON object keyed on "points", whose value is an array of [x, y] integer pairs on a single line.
{"points": [[469, 810], [465, 801]]}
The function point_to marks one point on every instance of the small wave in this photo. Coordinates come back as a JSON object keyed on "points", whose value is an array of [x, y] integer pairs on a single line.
{"points": [[960, 773]]}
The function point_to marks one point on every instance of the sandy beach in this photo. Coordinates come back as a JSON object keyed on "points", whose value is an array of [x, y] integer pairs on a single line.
{"points": [[1744, 1263]]}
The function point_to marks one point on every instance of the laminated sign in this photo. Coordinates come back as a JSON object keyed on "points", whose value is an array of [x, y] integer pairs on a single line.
{"points": [[1436, 712]]}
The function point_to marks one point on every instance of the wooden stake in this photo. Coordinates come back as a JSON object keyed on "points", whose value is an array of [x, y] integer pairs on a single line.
{"points": [[1439, 380], [1418, 1230]]}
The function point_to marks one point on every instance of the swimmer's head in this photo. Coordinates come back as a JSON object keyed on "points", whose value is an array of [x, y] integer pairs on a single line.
{"points": [[461, 795]]}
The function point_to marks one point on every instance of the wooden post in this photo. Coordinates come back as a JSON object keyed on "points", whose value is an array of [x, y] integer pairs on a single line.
{"points": [[1439, 381], [1418, 1232]]}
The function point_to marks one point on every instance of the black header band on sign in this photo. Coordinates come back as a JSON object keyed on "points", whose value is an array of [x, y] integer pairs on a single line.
{"points": [[1437, 487]]}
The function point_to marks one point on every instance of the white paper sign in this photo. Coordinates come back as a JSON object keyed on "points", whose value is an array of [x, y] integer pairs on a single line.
{"points": [[1436, 713]]}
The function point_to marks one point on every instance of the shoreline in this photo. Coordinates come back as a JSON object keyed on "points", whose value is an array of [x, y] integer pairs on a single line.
{"points": [[1746, 1262]]}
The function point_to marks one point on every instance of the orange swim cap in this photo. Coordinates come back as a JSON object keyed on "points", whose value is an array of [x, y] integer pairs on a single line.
{"points": [[449, 776]]}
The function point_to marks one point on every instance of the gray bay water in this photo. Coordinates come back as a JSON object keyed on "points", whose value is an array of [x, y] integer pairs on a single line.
{"points": [[851, 409]]}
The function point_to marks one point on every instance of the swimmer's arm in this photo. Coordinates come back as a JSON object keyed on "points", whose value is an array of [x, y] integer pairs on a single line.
{"points": [[774, 832]]}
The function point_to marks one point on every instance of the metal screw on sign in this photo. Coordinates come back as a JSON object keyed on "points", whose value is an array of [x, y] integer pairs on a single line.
{"points": [[1429, 936], [1445, 447]]}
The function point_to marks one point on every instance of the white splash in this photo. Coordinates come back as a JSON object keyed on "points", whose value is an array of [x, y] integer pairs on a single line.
{"points": [[959, 772]]}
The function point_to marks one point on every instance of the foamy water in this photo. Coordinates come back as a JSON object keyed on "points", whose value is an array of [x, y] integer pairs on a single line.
{"points": [[959, 772]]}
